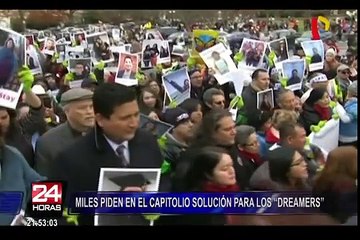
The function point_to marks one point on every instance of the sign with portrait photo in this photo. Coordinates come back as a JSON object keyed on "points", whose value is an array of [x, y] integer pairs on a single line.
{"points": [[218, 59], [177, 85], [122, 179], [126, 72], [12, 58]]}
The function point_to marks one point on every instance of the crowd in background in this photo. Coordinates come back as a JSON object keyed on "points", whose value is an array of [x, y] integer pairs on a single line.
{"points": [[63, 133]]}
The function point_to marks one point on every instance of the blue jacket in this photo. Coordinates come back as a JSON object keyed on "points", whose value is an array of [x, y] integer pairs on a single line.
{"points": [[348, 131], [263, 145], [16, 175]]}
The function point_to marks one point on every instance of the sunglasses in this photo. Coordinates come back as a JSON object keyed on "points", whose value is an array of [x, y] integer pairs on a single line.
{"points": [[345, 72]]}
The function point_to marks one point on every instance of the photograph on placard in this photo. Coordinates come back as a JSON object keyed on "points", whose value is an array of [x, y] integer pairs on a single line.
{"points": [[157, 128], [154, 52], [29, 39], [280, 48], [99, 45], [218, 59], [121, 179], [115, 32], [67, 37], [74, 62], [75, 52], [79, 39], [265, 100], [177, 85], [82, 68], [61, 51], [128, 48], [153, 34], [32, 60], [294, 71], [315, 50], [41, 36], [116, 50], [12, 58], [61, 41], [126, 72], [49, 47], [253, 52]]}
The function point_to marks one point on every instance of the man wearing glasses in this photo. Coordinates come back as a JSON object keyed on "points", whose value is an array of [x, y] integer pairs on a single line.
{"points": [[341, 82], [213, 99]]}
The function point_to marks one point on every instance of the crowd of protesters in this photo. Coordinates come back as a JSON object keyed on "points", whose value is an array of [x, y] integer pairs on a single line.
{"points": [[59, 132]]}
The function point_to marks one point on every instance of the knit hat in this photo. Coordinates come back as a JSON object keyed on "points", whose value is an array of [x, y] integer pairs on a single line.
{"points": [[191, 72], [343, 67], [38, 90], [280, 160], [175, 116], [317, 78], [352, 88], [330, 51], [315, 95]]}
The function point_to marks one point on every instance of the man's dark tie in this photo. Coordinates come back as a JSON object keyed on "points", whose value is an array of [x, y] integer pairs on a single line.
{"points": [[120, 152]]}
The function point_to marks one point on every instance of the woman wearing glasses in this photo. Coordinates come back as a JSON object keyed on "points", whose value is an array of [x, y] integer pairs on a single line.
{"points": [[288, 171], [248, 149]]}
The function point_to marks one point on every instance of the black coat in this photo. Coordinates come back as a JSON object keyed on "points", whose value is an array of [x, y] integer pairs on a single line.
{"points": [[79, 164], [309, 117]]}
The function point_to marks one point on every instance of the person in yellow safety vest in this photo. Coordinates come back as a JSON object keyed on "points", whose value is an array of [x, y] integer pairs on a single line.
{"points": [[340, 83]]}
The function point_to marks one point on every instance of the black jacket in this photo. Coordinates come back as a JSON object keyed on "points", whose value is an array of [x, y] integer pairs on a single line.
{"points": [[309, 117], [79, 164], [21, 131]]}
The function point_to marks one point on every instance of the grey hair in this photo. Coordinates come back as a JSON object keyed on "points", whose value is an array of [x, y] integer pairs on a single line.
{"points": [[243, 133], [281, 94], [209, 93]]}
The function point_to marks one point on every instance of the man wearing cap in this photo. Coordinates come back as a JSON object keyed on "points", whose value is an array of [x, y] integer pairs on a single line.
{"points": [[51, 82], [78, 107], [177, 140], [115, 142], [340, 83]]}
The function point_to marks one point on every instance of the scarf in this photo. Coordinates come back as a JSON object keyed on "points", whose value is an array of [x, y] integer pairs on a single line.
{"points": [[255, 88], [214, 187], [253, 156], [270, 137], [324, 112]]}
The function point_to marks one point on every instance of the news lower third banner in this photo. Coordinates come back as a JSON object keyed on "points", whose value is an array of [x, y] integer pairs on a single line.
{"points": [[194, 203]]}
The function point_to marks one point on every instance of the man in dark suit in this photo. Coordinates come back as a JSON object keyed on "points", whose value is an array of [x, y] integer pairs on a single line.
{"points": [[115, 142], [78, 107], [127, 72]]}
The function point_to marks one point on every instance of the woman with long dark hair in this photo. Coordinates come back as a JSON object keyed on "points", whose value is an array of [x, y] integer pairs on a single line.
{"points": [[149, 103]]}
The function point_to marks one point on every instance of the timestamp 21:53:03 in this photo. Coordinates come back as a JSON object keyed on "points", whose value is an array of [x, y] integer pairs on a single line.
{"points": [[31, 222]]}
